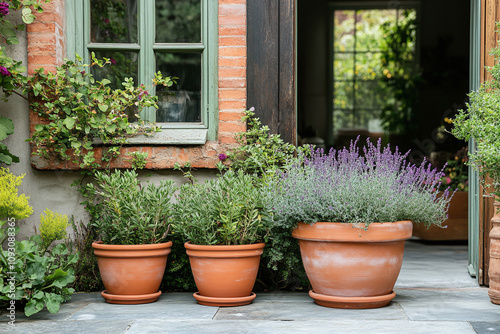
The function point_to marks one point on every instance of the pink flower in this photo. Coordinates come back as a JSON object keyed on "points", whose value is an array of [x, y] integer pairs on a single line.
{"points": [[4, 71], [448, 180], [222, 157], [112, 60]]}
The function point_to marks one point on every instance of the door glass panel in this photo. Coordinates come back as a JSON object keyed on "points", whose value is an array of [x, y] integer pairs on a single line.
{"points": [[113, 21], [178, 21], [182, 102], [123, 65]]}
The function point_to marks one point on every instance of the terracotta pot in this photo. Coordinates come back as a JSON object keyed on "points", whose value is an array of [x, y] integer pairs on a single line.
{"points": [[224, 275], [349, 267], [494, 269], [131, 274], [456, 224]]}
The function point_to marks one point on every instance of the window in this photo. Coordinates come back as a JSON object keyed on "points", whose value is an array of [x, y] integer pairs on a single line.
{"points": [[374, 51], [141, 37]]}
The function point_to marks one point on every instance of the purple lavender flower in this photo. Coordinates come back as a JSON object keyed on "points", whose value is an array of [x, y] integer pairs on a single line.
{"points": [[141, 94], [4, 71], [4, 8], [222, 157]]}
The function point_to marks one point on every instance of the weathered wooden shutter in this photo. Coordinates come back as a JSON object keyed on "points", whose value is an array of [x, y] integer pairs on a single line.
{"points": [[271, 64]]}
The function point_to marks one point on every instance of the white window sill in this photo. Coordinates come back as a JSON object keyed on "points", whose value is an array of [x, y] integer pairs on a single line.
{"points": [[171, 137]]}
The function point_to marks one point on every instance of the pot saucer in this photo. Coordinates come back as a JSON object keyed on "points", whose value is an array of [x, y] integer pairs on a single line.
{"points": [[352, 302], [227, 301], [130, 299]]}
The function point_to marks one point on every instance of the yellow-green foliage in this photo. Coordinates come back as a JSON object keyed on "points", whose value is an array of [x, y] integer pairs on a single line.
{"points": [[52, 226], [12, 205]]}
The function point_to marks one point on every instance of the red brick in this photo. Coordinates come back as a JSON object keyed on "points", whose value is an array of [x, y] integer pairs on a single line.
{"points": [[231, 116], [232, 41], [232, 94], [227, 138], [232, 1], [232, 127], [232, 10], [229, 72], [232, 83], [232, 20], [229, 51], [232, 30], [233, 62], [232, 105]]}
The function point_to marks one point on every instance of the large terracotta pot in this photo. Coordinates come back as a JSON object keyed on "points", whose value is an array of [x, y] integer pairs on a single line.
{"points": [[131, 274], [494, 269], [224, 275], [349, 267], [456, 224]]}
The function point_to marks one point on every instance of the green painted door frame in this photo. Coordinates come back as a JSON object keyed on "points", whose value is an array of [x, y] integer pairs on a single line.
{"points": [[474, 82]]}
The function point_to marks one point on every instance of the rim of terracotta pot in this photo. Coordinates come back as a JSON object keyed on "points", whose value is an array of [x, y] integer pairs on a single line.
{"points": [[223, 302], [130, 299], [347, 232], [125, 251], [224, 251]]}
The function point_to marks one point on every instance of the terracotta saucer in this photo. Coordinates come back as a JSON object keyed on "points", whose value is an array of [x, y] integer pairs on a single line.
{"points": [[218, 301], [352, 302], [130, 299]]}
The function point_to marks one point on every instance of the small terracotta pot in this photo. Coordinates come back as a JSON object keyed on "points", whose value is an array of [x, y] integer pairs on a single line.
{"points": [[494, 269], [224, 275], [131, 274], [349, 267]]}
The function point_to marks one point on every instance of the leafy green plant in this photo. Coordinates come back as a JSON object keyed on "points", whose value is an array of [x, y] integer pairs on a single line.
{"points": [[12, 204], [124, 212], [226, 211], [259, 152], [11, 76], [79, 111], [52, 227], [481, 121], [138, 159], [38, 277]]}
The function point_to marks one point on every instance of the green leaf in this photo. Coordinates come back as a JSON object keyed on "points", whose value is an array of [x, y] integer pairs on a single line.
{"points": [[28, 17], [103, 107], [69, 123], [53, 302], [110, 128], [33, 306], [6, 127]]}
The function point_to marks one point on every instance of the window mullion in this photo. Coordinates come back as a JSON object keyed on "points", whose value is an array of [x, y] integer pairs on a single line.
{"points": [[147, 66]]}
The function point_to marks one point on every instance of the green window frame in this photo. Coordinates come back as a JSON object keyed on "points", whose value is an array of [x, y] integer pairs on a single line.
{"points": [[79, 42]]}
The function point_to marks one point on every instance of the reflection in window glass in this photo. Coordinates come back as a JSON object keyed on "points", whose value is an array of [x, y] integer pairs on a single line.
{"points": [[113, 21], [182, 102], [178, 21], [123, 65]]}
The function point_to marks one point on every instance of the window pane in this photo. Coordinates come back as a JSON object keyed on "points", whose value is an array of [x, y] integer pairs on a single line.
{"points": [[370, 95], [182, 103], [123, 65], [343, 95], [113, 21], [343, 66], [368, 65], [344, 30], [178, 21], [368, 32]]}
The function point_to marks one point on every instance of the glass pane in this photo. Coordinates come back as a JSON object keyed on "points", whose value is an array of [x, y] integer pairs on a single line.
{"points": [[368, 23], [370, 95], [113, 21], [343, 95], [343, 119], [123, 65], [178, 21], [368, 66], [182, 102], [343, 66], [343, 39]]}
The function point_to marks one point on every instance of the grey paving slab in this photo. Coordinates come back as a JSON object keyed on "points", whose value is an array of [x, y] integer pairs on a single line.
{"points": [[436, 266], [158, 310], [316, 327], [73, 327], [486, 327], [448, 305], [287, 311]]}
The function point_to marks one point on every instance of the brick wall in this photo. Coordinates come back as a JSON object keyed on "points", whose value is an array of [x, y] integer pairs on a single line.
{"points": [[46, 48]]}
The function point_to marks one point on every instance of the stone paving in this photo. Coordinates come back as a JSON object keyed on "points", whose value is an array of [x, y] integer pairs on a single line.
{"points": [[435, 294]]}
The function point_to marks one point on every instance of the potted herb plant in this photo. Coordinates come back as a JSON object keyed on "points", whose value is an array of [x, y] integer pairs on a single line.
{"points": [[352, 212], [226, 223], [132, 221], [481, 122], [456, 179]]}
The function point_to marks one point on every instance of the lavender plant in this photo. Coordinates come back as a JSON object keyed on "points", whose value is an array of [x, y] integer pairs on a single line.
{"points": [[352, 186], [349, 187]]}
